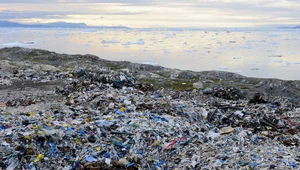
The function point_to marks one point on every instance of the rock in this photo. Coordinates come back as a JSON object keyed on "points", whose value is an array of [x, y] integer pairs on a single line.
{"points": [[292, 131], [136, 158], [111, 106], [265, 133], [123, 162], [45, 67], [198, 85], [226, 130], [187, 75], [230, 93], [127, 102], [258, 98], [8, 140], [30, 151], [207, 91]]}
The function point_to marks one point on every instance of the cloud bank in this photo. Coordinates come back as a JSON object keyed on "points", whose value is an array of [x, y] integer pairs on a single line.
{"points": [[154, 13]]}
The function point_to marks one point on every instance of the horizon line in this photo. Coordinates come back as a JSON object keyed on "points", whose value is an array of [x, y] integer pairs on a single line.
{"points": [[84, 25]]}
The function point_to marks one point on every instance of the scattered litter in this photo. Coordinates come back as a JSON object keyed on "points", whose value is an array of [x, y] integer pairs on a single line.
{"points": [[106, 119]]}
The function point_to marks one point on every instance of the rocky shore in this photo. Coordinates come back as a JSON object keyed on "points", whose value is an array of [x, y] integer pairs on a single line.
{"points": [[60, 111]]}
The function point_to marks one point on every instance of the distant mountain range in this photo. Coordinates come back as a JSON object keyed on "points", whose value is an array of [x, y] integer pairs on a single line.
{"points": [[83, 25], [54, 25]]}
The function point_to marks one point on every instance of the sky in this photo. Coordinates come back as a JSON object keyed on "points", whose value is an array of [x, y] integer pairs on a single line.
{"points": [[154, 13]]}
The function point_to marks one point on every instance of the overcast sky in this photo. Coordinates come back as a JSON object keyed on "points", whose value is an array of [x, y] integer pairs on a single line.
{"points": [[154, 13]]}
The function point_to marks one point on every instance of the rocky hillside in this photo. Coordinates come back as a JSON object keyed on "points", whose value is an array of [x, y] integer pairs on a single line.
{"points": [[18, 61]]}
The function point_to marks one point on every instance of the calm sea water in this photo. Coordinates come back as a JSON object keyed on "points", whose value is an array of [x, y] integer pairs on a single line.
{"points": [[256, 53]]}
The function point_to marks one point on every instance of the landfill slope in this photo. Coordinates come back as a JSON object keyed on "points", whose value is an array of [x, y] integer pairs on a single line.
{"points": [[60, 111]]}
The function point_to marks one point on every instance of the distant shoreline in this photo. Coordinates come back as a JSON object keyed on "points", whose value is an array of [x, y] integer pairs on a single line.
{"points": [[9, 24]]}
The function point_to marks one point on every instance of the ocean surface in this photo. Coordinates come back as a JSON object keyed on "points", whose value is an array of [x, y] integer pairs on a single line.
{"points": [[265, 53]]}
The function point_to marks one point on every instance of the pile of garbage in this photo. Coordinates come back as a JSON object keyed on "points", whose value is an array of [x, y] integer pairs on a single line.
{"points": [[105, 120]]}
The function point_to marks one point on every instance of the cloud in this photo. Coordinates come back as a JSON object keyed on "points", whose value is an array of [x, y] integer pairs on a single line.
{"points": [[11, 14], [131, 2], [154, 13], [27, 1]]}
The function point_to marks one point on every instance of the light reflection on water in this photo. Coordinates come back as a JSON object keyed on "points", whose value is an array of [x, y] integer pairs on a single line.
{"points": [[267, 54]]}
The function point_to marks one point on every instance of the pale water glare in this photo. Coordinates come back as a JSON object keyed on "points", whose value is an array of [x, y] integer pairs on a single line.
{"points": [[256, 53]]}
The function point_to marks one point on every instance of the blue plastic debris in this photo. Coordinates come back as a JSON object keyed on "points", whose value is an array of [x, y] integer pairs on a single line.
{"points": [[256, 139], [120, 112], [82, 132], [129, 165], [52, 149], [71, 129], [2, 127], [107, 155], [160, 163], [293, 165], [90, 159], [165, 119], [140, 152]]}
